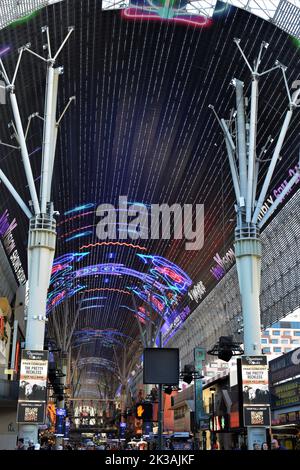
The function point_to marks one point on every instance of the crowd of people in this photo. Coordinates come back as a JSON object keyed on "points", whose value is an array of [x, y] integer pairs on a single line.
{"points": [[131, 445]]}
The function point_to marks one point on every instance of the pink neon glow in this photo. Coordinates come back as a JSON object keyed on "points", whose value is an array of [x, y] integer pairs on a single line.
{"points": [[129, 245], [170, 273], [58, 267], [158, 304], [58, 298], [141, 320], [137, 14], [75, 217]]}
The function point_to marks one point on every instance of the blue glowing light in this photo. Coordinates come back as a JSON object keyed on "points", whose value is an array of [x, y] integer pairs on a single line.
{"points": [[162, 286], [79, 235], [92, 306], [80, 208], [93, 298]]}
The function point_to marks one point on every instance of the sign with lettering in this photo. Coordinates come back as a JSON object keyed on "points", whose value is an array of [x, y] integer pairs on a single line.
{"points": [[197, 292], [257, 416], [31, 412], [9, 245], [33, 385], [285, 366], [285, 394], [223, 264], [255, 381]]}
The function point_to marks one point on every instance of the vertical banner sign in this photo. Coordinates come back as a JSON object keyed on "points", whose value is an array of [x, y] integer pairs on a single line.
{"points": [[255, 389], [199, 357], [33, 387]]}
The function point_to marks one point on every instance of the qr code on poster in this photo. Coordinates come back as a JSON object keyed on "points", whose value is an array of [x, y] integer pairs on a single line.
{"points": [[257, 417], [31, 414]]}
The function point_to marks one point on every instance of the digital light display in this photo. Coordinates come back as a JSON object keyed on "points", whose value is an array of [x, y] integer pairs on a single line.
{"points": [[128, 245], [79, 235], [161, 287], [4, 50], [174, 10], [80, 208]]}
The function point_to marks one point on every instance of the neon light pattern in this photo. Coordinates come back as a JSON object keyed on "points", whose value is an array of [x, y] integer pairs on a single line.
{"points": [[173, 10], [80, 208], [93, 298], [141, 14], [92, 306], [112, 289], [128, 245], [80, 235], [108, 337], [75, 217], [76, 230], [164, 276], [138, 314], [4, 50]]}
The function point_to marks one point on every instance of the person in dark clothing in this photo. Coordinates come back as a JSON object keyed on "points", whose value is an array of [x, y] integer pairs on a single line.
{"points": [[20, 445], [30, 445]]}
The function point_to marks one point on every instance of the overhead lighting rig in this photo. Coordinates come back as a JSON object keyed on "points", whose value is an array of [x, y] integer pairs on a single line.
{"points": [[226, 348], [189, 373]]}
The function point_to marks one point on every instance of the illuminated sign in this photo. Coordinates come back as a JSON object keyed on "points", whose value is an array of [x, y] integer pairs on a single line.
{"points": [[255, 381], [223, 264], [178, 11], [143, 411], [197, 292], [286, 394], [9, 244], [33, 387]]}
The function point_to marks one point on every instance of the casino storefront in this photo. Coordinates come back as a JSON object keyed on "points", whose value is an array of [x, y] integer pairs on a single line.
{"points": [[284, 377]]}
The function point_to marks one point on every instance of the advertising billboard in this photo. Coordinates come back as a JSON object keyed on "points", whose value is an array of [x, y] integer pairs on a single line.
{"points": [[31, 412], [33, 375], [33, 387], [284, 367], [257, 416], [285, 394], [255, 381]]}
